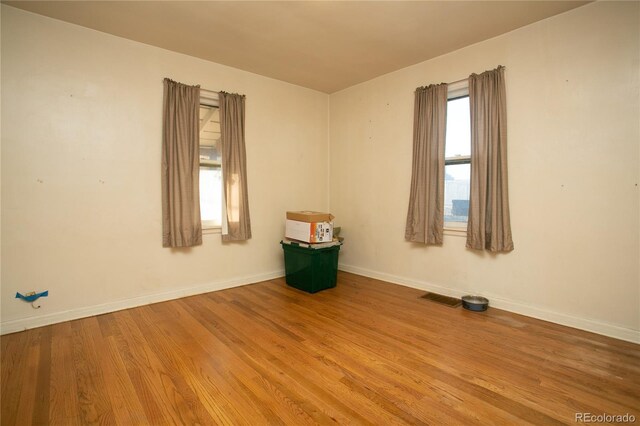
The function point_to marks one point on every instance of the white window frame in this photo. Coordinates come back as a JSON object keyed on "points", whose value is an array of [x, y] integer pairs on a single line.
{"points": [[210, 227], [457, 90]]}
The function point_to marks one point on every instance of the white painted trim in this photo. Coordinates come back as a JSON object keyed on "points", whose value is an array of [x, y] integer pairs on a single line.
{"points": [[586, 324], [610, 330], [22, 324], [458, 89], [455, 232]]}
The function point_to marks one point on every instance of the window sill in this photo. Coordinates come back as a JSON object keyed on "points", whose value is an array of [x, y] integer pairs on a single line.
{"points": [[455, 232], [206, 231]]}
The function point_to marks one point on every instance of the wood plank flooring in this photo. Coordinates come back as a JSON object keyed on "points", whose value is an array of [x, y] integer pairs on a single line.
{"points": [[366, 352]]}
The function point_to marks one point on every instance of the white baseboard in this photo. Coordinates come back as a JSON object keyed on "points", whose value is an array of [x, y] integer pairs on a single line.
{"points": [[610, 330], [22, 324], [598, 327]]}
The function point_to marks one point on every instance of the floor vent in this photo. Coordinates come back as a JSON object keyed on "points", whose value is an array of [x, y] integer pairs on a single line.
{"points": [[445, 300]]}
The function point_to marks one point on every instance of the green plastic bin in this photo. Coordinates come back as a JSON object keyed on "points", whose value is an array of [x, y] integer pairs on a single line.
{"points": [[309, 269]]}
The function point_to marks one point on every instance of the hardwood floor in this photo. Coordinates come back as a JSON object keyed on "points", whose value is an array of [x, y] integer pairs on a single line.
{"points": [[364, 352]]}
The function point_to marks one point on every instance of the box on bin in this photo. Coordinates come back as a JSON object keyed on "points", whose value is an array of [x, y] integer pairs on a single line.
{"points": [[309, 232], [310, 216], [310, 269]]}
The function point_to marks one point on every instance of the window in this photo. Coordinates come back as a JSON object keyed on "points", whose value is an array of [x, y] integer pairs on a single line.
{"points": [[210, 165], [457, 170]]}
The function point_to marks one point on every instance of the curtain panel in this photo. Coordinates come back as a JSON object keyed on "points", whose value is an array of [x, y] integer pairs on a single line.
{"points": [[425, 216], [181, 226], [489, 225], [234, 167]]}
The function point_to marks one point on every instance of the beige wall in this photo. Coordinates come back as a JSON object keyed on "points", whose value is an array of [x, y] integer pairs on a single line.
{"points": [[574, 136], [81, 138]]}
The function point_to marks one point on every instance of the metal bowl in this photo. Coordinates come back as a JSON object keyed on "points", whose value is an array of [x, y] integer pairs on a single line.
{"points": [[475, 303]]}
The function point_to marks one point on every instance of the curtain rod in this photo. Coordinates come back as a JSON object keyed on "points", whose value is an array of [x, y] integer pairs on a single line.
{"points": [[211, 92], [467, 78], [201, 89]]}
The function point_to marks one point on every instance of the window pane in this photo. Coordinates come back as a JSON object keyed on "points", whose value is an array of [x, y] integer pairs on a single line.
{"points": [[211, 195], [209, 133], [458, 128], [209, 153], [456, 192]]}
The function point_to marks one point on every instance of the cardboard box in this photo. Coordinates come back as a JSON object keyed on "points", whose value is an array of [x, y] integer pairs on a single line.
{"points": [[309, 232], [310, 217]]}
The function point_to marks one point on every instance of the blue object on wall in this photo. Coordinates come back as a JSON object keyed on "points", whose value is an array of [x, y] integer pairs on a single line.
{"points": [[32, 297]]}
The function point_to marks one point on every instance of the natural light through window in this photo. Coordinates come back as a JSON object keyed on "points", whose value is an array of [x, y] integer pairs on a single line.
{"points": [[210, 167], [457, 171]]}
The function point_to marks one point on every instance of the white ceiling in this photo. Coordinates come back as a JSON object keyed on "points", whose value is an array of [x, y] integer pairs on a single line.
{"points": [[323, 45]]}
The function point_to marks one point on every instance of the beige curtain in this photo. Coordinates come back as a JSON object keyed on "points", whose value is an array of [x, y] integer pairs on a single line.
{"points": [[181, 226], [234, 167], [426, 201], [489, 225]]}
